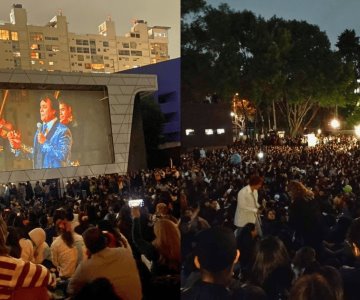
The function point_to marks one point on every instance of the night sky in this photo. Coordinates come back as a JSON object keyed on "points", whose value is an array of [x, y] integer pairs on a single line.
{"points": [[332, 16], [84, 16]]}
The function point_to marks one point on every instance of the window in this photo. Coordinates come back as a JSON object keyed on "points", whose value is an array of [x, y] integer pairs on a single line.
{"points": [[124, 52], [160, 34], [17, 63], [189, 131], [33, 62], [209, 131], [105, 44], [137, 35], [92, 50], [51, 63], [16, 54], [86, 50], [220, 131], [107, 65], [14, 36], [92, 43], [136, 53], [15, 46], [36, 36], [125, 45], [132, 45], [97, 66], [87, 66], [51, 38], [4, 35], [80, 57], [132, 34], [35, 47], [35, 55], [72, 49], [79, 50], [106, 57]]}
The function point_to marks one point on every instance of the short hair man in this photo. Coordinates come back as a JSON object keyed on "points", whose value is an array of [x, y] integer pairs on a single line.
{"points": [[115, 264], [215, 256]]}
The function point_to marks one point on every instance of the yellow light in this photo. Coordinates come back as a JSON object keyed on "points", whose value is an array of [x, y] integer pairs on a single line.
{"points": [[319, 131], [357, 130], [334, 123], [232, 114]]}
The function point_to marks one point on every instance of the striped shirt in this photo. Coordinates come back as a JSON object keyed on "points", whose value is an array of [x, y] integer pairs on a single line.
{"points": [[16, 273]]}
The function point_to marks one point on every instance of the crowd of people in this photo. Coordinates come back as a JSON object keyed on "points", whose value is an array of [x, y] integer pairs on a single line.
{"points": [[225, 224], [293, 217]]}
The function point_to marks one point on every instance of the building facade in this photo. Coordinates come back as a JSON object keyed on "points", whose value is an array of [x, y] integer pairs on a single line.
{"points": [[53, 48], [168, 97]]}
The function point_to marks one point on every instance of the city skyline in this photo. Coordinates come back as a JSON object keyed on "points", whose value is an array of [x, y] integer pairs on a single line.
{"points": [[157, 12]]}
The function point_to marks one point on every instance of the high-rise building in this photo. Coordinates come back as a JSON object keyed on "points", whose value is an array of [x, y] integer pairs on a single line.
{"points": [[53, 48]]}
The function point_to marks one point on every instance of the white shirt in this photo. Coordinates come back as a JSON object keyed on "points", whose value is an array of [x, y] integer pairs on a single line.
{"points": [[247, 206]]}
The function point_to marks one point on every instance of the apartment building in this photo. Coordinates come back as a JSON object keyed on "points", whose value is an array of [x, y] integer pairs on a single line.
{"points": [[53, 48]]}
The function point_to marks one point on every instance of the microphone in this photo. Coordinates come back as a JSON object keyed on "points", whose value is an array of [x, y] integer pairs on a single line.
{"points": [[39, 125]]}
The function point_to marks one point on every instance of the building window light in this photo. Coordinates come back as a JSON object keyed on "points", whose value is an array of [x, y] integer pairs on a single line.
{"points": [[51, 63], [209, 131], [189, 131], [220, 131]]}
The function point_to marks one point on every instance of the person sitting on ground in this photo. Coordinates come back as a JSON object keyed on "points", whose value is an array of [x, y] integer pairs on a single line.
{"points": [[42, 253], [215, 256], [17, 274], [115, 264], [164, 251], [67, 250], [272, 269], [313, 287]]}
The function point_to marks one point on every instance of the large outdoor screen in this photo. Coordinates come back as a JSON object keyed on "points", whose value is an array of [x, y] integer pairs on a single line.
{"points": [[54, 127]]}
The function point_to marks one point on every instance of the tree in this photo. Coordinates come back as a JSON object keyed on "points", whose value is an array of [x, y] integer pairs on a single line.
{"points": [[289, 63]]}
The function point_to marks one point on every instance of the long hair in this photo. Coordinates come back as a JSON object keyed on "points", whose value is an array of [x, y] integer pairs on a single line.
{"points": [[298, 191], [271, 254], [64, 229], [167, 243]]}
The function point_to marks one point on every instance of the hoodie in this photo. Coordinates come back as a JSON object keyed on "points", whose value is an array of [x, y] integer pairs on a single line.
{"points": [[41, 248]]}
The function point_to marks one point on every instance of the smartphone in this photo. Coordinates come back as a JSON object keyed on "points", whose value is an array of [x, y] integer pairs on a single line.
{"points": [[136, 202]]}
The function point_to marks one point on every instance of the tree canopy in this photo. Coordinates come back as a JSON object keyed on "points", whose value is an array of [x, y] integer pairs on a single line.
{"points": [[288, 62]]}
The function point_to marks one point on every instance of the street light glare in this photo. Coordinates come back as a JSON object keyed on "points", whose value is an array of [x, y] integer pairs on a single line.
{"points": [[261, 155], [232, 114], [357, 130], [335, 123]]}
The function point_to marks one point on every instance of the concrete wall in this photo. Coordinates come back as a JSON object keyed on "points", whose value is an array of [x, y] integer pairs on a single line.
{"points": [[122, 89]]}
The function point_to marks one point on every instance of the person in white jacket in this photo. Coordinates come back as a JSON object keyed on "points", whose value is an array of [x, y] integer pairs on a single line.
{"points": [[67, 250], [41, 248], [247, 203]]}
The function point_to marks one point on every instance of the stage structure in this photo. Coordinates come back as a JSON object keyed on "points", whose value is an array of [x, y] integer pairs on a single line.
{"points": [[91, 138]]}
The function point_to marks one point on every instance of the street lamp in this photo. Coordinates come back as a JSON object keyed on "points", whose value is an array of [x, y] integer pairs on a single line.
{"points": [[357, 130], [335, 124]]}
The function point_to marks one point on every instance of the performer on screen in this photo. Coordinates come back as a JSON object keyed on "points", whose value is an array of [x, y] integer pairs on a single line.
{"points": [[52, 140], [67, 118]]}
